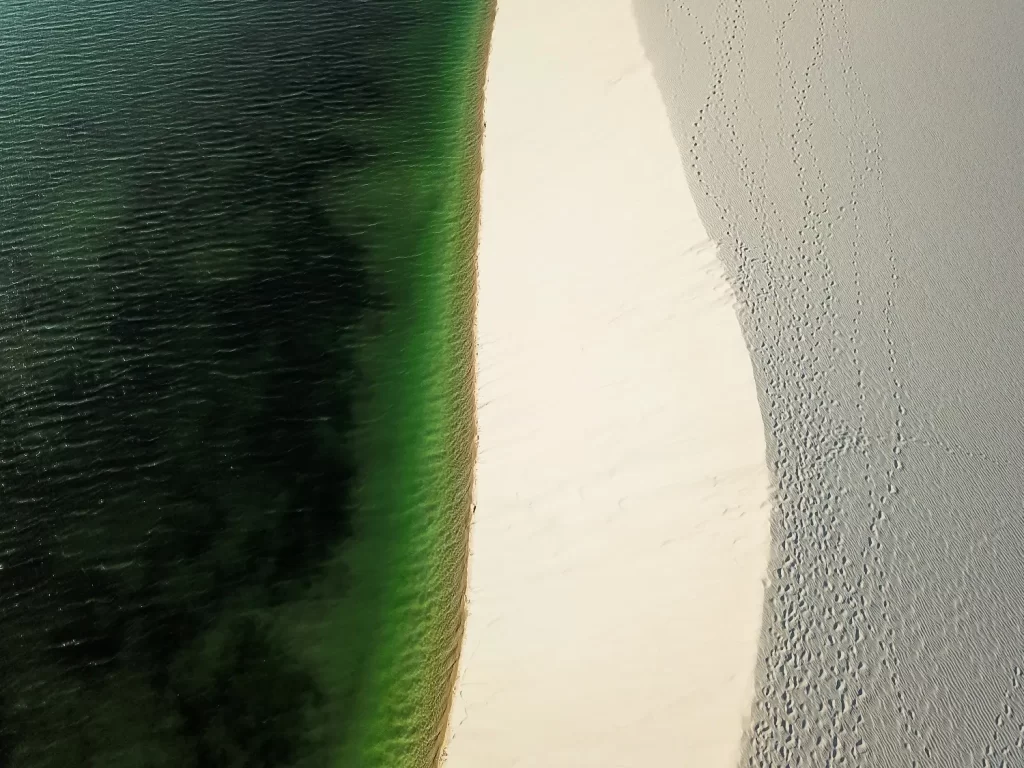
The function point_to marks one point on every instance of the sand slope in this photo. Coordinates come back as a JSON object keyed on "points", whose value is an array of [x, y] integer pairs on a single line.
{"points": [[860, 164], [621, 530]]}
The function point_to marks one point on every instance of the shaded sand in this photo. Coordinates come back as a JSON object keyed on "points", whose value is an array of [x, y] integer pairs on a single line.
{"points": [[861, 164], [621, 531]]}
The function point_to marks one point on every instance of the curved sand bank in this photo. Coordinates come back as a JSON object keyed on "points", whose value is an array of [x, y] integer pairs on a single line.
{"points": [[621, 530], [860, 164]]}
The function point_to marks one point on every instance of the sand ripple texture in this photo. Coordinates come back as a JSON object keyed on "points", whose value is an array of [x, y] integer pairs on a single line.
{"points": [[860, 165]]}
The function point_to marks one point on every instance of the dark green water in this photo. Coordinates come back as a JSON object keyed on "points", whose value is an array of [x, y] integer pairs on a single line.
{"points": [[236, 428]]}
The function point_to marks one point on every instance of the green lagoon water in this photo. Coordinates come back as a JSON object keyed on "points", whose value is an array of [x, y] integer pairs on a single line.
{"points": [[236, 404]]}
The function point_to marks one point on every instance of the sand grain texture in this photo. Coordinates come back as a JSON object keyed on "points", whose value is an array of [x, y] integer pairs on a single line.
{"points": [[860, 166], [621, 531]]}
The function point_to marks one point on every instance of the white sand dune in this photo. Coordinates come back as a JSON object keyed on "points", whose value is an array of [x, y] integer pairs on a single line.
{"points": [[620, 538], [860, 163]]}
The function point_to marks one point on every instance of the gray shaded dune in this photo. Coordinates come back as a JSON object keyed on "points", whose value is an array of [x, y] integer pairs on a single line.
{"points": [[861, 166]]}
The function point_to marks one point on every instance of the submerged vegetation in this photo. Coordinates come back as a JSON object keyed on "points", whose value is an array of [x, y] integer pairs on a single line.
{"points": [[235, 423]]}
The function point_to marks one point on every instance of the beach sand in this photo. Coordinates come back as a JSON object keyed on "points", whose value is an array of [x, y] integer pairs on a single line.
{"points": [[620, 538], [860, 164]]}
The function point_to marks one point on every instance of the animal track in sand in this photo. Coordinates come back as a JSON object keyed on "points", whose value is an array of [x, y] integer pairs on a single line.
{"points": [[892, 617]]}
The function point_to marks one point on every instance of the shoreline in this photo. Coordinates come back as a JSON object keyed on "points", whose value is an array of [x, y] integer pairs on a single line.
{"points": [[578, 492], [468, 243], [420, 614]]}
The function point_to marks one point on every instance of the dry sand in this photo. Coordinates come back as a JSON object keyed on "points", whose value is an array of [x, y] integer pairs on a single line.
{"points": [[620, 538], [861, 165]]}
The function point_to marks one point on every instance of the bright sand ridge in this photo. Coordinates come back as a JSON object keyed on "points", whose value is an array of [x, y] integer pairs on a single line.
{"points": [[621, 532]]}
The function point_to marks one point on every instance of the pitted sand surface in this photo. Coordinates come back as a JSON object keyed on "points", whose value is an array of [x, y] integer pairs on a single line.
{"points": [[860, 164]]}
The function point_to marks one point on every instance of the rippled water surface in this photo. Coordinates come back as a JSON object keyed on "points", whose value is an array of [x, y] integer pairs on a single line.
{"points": [[235, 401]]}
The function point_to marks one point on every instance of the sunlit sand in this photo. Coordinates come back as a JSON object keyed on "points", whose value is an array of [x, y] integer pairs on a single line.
{"points": [[620, 538]]}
